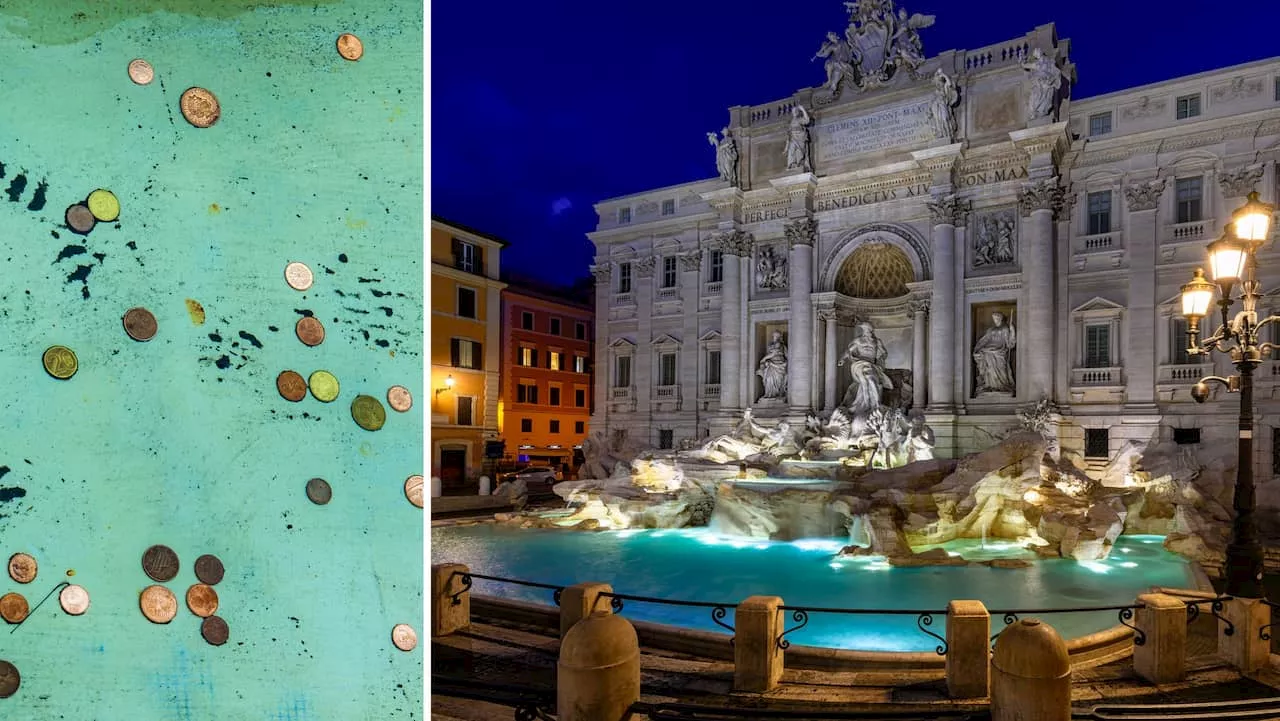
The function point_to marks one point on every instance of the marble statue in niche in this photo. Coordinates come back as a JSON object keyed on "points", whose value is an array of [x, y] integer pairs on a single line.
{"points": [[991, 355], [798, 140], [942, 106], [866, 355], [773, 368], [726, 155], [1046, 80], [771, 269], [993, 242]]}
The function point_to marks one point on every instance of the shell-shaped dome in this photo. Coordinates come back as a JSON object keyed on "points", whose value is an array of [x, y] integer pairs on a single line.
{"points": [[875, 269]]}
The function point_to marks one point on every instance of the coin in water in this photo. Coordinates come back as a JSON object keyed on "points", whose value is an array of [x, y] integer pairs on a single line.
{"points": [[310, 330], [324, 386], [60, 362], [368, 413], [160, 563], [200, 107], [209, 569], [350, 47], [413, 490], [74, 600], [318, 491], [215, 630], [158, 604], [14, 608], [298, 276], [104, 205], [140, 324], [202, 600], [404, 637], [10, 679], [399, 398], [141, 72], [22, 568], [80, 219], [292, 386]]}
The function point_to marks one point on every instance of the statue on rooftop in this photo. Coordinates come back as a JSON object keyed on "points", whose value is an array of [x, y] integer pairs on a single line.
{"points": [[726, 156], [798, 140]]}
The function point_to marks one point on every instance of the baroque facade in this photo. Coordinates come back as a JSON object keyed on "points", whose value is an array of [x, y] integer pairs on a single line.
{"points": [[1004, 242]]}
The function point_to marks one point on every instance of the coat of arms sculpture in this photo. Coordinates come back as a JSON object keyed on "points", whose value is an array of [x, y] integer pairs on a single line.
{"points": [[880, 42]]}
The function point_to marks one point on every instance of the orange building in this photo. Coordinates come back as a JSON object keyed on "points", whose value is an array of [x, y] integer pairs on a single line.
{"points": [[546, 376], [465, 316]]}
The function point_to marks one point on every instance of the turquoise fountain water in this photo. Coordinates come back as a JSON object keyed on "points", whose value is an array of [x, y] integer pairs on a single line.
{"points": [[698, 565]]}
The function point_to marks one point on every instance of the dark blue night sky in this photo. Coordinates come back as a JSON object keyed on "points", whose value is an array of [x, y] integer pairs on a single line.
{"points": [[541, 109]]}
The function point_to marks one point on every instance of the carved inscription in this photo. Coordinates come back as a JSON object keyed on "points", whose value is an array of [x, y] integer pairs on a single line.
{"points": [[906, 124], [761, 215]]}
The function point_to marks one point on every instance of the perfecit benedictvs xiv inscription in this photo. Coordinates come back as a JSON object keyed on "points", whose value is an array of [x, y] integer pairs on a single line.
{"points": [[906, 124]]}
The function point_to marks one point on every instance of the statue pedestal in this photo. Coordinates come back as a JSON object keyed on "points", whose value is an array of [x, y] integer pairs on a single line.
{"points": [[770, 407]]}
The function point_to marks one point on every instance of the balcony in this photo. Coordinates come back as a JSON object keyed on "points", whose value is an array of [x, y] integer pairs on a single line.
{"points": [[1086, 377], [1098, 243], [666, 392], [710, 391], [667, 294], [622, 299], [1197, 230], [712, 288], [621, 394], [1182, 373]]}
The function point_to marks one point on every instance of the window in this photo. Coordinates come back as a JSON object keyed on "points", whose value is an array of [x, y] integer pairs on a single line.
{"points": [[464, 411], [468, 257], [579, 364], [1188, 106], [1186, 436], [579, 427], [580, 398], [528, 357], [1178, 342], [555, 395], [666, 438], [1096, 442], [669, 272], [580, 331], [1188, 193], [622, 374], [526, 425], [467, 302], [717, 267], [624, 215], [553, 360], [669, 207], [713, 367], [1099, 124], [1097, 346], [527, 392], [555, 326], [464, 353], [555, 426], [667, 369], [624, 277], [1275, 449], [526, 321], [1100, 212]]}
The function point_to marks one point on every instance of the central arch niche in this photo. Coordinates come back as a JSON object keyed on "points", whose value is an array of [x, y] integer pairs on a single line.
{"points": [[875, 270]]}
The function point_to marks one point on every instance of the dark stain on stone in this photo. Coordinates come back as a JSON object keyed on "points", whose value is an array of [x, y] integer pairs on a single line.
{"points": [[273, 329], [55, 235], [356, 310], [215, 337], [100, 256], [385, 309], [70, 251], [223, 363], [38, 200], [1, 170], [16, 186], [365, 333], [379, 293], [369, 280], [12, 492], [381, 343], [131, 245], [81, 273], [4, 470], [253, 340], [330, 271], [340, 293], [342, 257], [304, 313]]}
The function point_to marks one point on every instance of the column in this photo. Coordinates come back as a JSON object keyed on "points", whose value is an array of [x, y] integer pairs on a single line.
{"points": [[832, 355], [919, 310], [960, 344], [1141, 230], [690, 382], [1038, 201], [602, 363], [730, 322], [942, 334], [643, 381], [746, 359], [800, 235]]}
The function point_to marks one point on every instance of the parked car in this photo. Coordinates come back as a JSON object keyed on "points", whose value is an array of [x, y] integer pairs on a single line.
{"points": [[539, 479]]}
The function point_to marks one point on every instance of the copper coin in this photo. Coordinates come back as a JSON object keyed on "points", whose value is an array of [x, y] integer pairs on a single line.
{"points": [[215, 631], [350, 47], [310, 330], [140, 324], [10, 679], [404, 637], [22, 568], [413, 490], [74, 600], [298, 276], [158, 604], [399, 398], [318, 491], [80, 219], [141, 72], [202, 600], [209, 569], [14, 608], [160, 563], [200, 107], [292, 386], [368, 413]]}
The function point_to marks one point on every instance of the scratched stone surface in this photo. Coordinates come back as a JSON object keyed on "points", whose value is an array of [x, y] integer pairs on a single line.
{"points": [[184, 440]]}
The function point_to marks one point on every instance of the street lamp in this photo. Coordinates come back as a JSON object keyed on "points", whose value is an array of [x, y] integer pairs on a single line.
{"points": [[448, 383], [1233, 260]]}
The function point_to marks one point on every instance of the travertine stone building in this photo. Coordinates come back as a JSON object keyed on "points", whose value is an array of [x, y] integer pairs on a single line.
{"points": [[924, 197]]}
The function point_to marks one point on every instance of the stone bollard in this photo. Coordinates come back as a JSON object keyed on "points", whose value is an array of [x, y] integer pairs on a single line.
{"points": [[485, 488], [1243, 649], [578, 602], [447, 616], [1162, 628], [968, 649], [1030, 674], [598, 674], [437, 488], [757, 660]]}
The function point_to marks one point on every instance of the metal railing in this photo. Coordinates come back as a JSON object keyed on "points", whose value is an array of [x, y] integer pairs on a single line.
{"points": [[718, 610], [924, 619], [1124, 614], [466, 579], [1215, 609]]}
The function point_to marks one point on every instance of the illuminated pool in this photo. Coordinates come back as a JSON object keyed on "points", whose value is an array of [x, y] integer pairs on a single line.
{"points": [[696, 565]]}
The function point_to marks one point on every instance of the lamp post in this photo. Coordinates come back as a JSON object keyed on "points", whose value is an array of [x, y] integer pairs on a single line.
{"points": [[448, 384], [1232, 260]]}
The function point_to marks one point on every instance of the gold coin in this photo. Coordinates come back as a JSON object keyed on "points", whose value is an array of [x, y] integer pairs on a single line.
{"points": [[310, 330], [60, 362], [22, 568], [141, 72], [368, 413], [350, 47], [74, 600], [298, 276], [104, 205], [140, 324], [324, 386], [292, 386], [158, 604], [399, 398], [14, 608], [413, 490], [200, 107], [202, 600], [404, 637]]}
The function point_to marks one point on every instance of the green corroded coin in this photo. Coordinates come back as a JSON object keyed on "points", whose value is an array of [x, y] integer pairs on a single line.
{"points": [[60, 361], [324, 386], [368, 413]]}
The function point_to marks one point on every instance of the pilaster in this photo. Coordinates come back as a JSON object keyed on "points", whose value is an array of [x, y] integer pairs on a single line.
{"points": [[603, 371], [1038, 201], [800, 235], [732, 244], [942, 332], [644, 380], [1142, 200], [690, 380]]}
